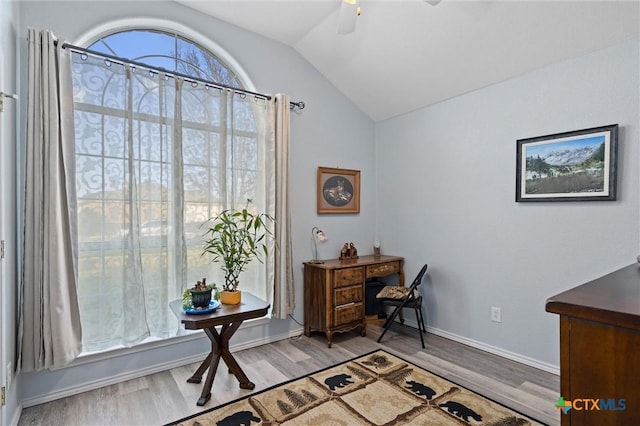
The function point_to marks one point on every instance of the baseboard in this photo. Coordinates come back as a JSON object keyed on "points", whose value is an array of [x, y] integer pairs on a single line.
{"points": [[549, 368], [134, 374], [16, 416]]}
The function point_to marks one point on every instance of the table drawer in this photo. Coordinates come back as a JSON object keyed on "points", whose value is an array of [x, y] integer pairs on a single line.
{"points": [[349, 276], [344, 295], [383, 269], [347, 313]]}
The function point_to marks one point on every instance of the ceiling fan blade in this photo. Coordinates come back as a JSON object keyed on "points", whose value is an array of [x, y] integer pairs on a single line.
{"points": [[348, 16]]}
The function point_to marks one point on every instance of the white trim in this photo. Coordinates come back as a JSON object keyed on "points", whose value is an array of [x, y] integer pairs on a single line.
{"points": [[16, 415], [87, 358], [110, 27], [531, 362], [549, 368], [134, 374]]}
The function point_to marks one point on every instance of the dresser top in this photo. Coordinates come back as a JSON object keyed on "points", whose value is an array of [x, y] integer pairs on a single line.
{"points": [[350, 263], [612, 299]]}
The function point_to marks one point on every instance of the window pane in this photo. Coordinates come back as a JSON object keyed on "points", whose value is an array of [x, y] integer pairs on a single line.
{"points": [[145, 196]]}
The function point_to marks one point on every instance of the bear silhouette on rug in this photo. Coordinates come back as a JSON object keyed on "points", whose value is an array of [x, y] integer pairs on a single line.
{"points": [[338, 381], [240, 418], [461, 411], [420, 389]]}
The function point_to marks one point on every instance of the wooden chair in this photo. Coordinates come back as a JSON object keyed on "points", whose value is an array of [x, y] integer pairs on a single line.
{"points": [[404, 297]]}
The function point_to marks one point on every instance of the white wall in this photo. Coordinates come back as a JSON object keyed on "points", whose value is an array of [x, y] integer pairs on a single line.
{"points": [[330, 131], [9, 28], [446, 196]]}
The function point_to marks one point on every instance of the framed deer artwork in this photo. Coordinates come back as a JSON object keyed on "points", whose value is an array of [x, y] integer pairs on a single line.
{"points": [[338, 190]]}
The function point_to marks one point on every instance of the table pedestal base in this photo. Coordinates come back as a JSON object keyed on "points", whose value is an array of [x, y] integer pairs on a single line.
{"points": [[219, 349]]}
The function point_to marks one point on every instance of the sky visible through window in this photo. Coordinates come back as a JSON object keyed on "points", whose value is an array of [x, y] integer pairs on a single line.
{"points": [[168, 51]]}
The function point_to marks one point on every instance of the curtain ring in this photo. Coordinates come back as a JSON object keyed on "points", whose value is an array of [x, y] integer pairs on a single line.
{"points": [[107, 62]]}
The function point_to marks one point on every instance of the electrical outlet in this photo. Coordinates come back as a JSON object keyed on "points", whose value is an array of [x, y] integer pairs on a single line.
{"points": [[496, 314]]}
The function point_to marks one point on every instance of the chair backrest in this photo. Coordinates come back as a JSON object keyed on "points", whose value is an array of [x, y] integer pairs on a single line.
{"points": [[417, 281]]}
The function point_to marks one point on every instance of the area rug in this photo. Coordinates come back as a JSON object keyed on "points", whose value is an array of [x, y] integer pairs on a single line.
{"points": [[374, 389]]}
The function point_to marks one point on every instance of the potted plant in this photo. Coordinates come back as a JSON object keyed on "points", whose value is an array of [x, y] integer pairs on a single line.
{"points": [[199, 296], [234, 238]]}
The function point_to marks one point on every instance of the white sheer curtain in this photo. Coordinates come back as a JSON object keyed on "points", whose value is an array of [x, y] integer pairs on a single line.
{"points": [[49, 328], [283, 290], [156, 158], [118, 193]]}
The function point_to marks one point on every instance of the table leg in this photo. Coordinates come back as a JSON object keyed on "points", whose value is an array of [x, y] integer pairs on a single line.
{"points": [[197, 376], [211, 363], [234, 367], [219, 349], [206, 389]]}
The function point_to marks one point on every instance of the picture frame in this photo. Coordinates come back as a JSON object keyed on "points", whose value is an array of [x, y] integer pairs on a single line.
{"points": [[579, 165], [338, 190]]}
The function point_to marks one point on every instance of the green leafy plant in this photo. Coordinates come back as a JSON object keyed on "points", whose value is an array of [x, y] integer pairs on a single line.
{"points": [[234, 238]]}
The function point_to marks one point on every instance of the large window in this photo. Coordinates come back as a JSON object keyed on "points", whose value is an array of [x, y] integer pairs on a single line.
{"points": [[156, 157]]}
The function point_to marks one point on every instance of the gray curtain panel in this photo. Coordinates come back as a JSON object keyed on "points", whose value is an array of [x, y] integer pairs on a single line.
{"points": [[50, 334], [283, 290]]}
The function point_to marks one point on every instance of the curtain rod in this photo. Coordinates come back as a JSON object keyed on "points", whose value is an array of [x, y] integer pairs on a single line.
{"points": [[191, 79]]}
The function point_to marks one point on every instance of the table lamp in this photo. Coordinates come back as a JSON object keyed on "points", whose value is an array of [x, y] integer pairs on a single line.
{"points": [[318, 237]]}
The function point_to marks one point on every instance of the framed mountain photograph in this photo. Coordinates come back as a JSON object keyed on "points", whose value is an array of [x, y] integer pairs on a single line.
{"points": [[571, 166]]}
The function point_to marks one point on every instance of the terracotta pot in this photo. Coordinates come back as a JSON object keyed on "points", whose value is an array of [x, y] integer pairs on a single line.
{"points": [[230, 297]]}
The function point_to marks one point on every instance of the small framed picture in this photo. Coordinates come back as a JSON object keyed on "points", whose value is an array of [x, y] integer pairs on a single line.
{"points": [[338, 190], [571, 166]]}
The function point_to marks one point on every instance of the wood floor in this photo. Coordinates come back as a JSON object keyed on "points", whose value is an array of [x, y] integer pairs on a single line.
{"points": [[165, 397]]}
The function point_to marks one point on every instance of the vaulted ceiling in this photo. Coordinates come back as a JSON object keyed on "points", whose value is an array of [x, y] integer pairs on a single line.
{"points": [[407, 54]]}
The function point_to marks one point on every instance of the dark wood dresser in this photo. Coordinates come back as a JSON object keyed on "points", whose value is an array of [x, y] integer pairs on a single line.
{"points": [[600, 349], [334, 292]]}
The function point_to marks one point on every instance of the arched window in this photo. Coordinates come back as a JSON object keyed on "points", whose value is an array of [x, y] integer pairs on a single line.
{"points": [[169, 51], [156, 157]]}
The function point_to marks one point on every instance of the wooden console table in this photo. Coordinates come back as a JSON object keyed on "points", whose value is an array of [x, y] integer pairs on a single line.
{"points": [[334, 292], [230, 317], [600, 349]]}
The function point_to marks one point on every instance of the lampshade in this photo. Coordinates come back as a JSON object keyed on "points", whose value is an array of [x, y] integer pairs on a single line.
{"points": [[318, 237], [349, 11]]}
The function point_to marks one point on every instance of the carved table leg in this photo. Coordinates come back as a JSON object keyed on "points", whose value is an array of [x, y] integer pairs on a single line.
{"points": [[234, 367], [197, 376], [206, 389]]}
